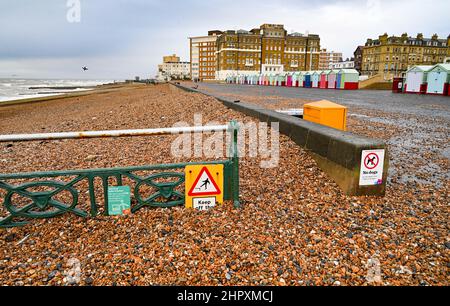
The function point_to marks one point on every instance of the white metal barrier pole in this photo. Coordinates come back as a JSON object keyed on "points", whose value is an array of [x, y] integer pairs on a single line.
{"points": [[112, 134]]}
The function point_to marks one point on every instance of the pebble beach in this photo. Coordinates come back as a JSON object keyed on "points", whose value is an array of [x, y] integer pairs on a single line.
{"points": [[295, 227]]}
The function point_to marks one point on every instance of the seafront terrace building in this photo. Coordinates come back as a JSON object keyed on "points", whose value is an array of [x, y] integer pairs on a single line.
{"points": [[267, 49], [393, 55]]}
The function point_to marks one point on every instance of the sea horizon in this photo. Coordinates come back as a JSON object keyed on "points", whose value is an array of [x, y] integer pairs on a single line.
{"points": [[16, 88]]}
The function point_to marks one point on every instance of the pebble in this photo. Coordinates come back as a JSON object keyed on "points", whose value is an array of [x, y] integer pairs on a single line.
{"points": [[52, 275], [89, 281], [10, 238], [92, 157]]}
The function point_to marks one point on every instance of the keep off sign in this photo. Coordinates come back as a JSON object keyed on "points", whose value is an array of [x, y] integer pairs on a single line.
{"points": [[204, 186], [372, 167]]}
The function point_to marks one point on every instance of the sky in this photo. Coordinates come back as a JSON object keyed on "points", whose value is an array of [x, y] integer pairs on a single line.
{"points": [[121, 39]]}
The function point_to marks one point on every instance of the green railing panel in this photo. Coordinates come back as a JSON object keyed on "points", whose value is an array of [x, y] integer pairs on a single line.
{"points": [[43, 204]]}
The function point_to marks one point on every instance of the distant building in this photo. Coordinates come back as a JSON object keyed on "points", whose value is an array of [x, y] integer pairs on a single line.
{"points": [[171, 58], [268, 48], [173, 69], [358, 58], [238, 52], [327, 58], [393, 55], [203, 56], [347, 64]]}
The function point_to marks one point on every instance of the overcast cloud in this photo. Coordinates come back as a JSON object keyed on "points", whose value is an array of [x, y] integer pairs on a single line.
{"points": [[120, 39]]}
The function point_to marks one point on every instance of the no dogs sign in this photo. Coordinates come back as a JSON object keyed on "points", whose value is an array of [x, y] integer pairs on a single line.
{"points": [[204, 186], [372, 165]]}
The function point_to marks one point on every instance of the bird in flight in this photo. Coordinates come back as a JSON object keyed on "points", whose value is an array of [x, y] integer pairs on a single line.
{"points": [[85, 68]]}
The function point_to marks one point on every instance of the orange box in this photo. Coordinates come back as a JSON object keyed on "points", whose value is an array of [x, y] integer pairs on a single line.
{"points": [[326, 113]]}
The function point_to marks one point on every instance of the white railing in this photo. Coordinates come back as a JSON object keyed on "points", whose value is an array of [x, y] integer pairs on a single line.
{"points": [[112, 134]]}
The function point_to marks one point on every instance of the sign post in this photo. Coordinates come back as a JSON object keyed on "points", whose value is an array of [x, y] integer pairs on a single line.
{"points": [[372, 167], [204, 186]]}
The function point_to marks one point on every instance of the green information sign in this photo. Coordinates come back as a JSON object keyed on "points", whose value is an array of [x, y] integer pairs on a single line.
{"points": [[119, 200]]}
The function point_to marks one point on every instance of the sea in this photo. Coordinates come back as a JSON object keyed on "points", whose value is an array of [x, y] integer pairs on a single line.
{"points": [[16, 89]]}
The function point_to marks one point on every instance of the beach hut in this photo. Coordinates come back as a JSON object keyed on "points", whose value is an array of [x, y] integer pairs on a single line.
{"points": [[281, 79], [261, 79], [324, 79], [255, 79], [416, 79], [289, 79], [315, 79], [266, 80], [272, 80], [347, 79], [339, 83], [438, 80], [300, 78], [332, 77], [277, 79], [294, 79], [252, 80], [307, 79]]}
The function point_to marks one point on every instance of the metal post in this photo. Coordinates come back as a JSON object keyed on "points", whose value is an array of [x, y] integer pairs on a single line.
{"points": [[235, 160], [111, 134]]}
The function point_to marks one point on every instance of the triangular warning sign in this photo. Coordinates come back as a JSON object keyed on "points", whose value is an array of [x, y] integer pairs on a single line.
{"points": [[204, 185]]}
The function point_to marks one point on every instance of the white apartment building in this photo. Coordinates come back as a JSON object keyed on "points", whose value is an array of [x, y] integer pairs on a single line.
{"points": [[327, 58], [203, 56], [173, 69]]}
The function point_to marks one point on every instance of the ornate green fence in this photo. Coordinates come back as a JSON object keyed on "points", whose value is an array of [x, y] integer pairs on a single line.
{"points": [[42, 204]]}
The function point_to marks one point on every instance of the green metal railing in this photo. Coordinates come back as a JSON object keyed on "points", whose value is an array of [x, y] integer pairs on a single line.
{"points": [[45, 204]]}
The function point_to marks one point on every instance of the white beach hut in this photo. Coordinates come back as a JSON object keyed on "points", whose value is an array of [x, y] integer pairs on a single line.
{"points": [[416, 79], [438, 80]]}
